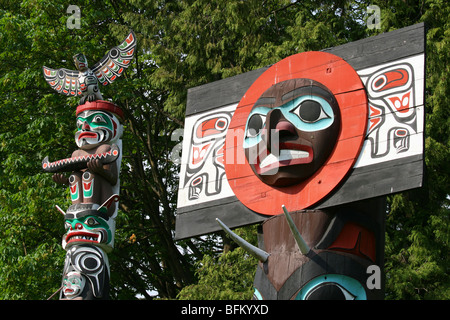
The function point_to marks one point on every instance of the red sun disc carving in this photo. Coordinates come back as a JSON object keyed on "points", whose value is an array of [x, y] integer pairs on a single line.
{"points": [[343, 81]]}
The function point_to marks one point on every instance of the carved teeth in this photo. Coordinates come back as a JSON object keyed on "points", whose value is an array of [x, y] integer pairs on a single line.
{"points": [[80, 158], [83, 238], [284, 155]]}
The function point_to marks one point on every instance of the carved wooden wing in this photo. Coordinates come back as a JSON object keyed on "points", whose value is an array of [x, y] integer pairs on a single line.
{"points": [[111, 66], [63, 80]]}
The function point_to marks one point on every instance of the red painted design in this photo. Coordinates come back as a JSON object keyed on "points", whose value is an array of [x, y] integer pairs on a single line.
{"points": [[84, 158], [391, 79], [402, 103], [211, 127], [102, 106], [357, 240], [130, 39], [343, 81], [82, 236], [198, 153], [375, 117], [87, 185]]}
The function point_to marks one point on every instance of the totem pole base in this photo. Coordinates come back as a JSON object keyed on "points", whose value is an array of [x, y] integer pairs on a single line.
{"points": [[345, 260]]}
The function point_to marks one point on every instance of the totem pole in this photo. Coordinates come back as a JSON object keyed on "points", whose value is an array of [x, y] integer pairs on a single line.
{"points": [[308, 148], [301, 135], [92, 172]]}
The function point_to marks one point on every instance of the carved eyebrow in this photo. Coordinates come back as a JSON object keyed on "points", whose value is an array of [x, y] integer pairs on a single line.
{"points": [[265, 101], [306, 91], [296, 92]]}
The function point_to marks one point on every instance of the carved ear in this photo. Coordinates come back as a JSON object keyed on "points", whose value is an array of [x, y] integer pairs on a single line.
{"points": [[256, 252], [105, 206], [304, 249]]}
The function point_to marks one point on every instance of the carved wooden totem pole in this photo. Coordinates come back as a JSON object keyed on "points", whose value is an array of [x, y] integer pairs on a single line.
{"points": [[92, 172], [308, 148]]}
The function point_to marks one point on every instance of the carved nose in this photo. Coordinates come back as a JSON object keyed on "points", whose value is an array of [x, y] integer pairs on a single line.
{"points": [[78, 226], [86, 126], [278, 128], [285, 127]]}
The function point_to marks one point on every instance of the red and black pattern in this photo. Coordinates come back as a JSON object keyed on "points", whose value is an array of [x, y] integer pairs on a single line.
{"points": [[79, 163]]}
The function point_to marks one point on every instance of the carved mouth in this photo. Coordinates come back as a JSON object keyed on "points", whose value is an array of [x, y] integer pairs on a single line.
{"points": [[68, 291], [284, 155], [88, 135], [289, 154], [81, 236]]}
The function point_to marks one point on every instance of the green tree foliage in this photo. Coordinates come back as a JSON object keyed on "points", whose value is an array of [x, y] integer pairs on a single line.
{"points": [[418, 229], [228, 276], [182, 44]]}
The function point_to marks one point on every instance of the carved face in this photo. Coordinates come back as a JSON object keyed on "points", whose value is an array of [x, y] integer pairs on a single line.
{"points": [[80, 62], [74, 284], [95, 128], [291, 131], [88, 229]]}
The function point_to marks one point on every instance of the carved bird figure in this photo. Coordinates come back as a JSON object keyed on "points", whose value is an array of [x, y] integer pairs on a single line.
{"points": [[84, 81]]}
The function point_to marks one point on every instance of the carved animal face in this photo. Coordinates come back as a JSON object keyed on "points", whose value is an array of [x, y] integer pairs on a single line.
{"points": [[74, 284], [90, 229], [80, 62], [95, 128], [290, 131], [343, 244]]}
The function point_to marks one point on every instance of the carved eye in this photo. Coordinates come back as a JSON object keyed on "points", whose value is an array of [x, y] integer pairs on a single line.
{"points": [[310, 111], [91, 222], [255, 124], [79, 123], [329, 291], [99, 119]]}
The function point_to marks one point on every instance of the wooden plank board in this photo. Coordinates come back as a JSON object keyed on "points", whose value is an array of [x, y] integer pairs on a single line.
{"points": [[201, 219], [377, 180], [220, 93], [386, 47], [198, 220], [364, 53], [374, 174]]}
